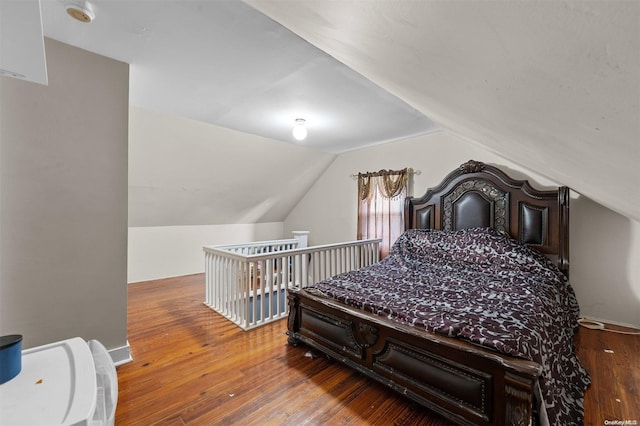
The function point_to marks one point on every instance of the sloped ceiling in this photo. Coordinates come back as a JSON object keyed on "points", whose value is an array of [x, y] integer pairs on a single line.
{"points": [[553, 86], [224, 63], [186, 172]]}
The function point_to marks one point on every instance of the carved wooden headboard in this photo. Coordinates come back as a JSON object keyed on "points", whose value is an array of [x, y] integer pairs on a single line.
{"points": [[480, 195]]}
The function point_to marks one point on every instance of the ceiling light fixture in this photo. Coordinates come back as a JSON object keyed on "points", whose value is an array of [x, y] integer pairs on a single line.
{"points": [[80, 10], [299, 131]]}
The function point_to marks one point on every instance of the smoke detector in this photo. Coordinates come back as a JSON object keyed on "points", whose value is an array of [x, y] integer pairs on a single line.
{"points": [[80, 10]]}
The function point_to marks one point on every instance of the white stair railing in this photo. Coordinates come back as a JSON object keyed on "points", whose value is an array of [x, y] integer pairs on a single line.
{"points": [[247, 283]]}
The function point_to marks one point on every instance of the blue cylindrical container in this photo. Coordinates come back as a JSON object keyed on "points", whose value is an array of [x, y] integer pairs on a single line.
{"points": [[10, 357]]}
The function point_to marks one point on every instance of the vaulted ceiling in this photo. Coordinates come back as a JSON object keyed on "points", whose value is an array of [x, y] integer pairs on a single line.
{"points": [[551, 85]]}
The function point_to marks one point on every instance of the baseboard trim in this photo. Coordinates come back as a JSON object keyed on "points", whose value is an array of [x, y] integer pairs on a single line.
{"points": [[121, 355], [618, 323]]}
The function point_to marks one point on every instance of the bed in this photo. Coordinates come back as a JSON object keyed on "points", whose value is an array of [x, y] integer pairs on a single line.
{"points": [[471, 314]]}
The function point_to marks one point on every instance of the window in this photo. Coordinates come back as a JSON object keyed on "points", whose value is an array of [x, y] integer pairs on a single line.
{"points": [[381, 206]]}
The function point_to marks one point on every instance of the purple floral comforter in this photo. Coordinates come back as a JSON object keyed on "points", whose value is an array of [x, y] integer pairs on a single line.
{"points": [[481, 286]]}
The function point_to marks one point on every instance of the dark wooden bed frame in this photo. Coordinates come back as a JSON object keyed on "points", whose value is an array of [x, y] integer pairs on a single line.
{"points": [[464, 382]]}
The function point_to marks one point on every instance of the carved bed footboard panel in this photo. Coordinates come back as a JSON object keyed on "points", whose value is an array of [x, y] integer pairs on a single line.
{"points": [[461, 381]]}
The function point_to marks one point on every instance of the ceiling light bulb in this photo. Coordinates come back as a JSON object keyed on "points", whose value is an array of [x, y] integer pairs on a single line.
{"points": [[299, 131]]}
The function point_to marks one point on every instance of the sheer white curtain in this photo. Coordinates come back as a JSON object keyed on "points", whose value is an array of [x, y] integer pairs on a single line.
{"points": [[381, 206]]}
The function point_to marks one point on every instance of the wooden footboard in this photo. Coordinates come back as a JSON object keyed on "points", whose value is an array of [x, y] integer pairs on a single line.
{"points": [[461, 381]]}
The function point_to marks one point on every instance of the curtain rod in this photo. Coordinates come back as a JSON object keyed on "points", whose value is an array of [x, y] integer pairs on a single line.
{"points": [[354, 176]]}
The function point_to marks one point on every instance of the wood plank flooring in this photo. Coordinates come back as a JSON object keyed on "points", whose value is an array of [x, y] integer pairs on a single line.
{"points": [[191, 366]]}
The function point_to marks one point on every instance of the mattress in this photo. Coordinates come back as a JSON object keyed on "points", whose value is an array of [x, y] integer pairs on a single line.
{"points": [[485, 288]]}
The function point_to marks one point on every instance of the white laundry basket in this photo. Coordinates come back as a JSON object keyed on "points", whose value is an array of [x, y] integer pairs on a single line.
{"points": [[70, 382], [106, 385]]}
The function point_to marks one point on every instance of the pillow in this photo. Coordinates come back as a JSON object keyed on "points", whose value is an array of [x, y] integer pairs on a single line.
{"points": [[484, 248]]}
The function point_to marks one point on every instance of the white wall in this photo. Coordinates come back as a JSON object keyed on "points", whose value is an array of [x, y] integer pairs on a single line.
{"points": [[170, 251], [605, 265], [605, 262], [63, 193], [184, 172], [193, 184]]}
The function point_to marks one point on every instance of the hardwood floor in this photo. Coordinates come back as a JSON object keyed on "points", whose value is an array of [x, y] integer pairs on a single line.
{"points": [[191, 366], [613, 361]]}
